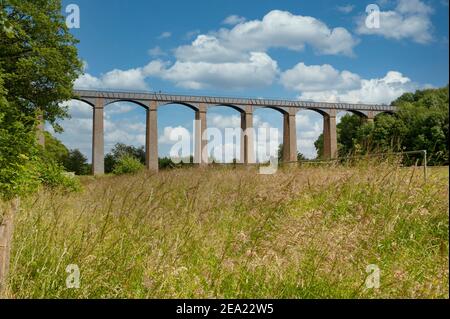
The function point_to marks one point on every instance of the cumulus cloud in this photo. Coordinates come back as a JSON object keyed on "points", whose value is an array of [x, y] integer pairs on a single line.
{"points": [[277, 29], [318, 78], [234, 19], [378, 91], [206, 48], [132, 79], [171, 135], [222, 121], [285, 30], [230, 58], [236, 58], [325, 83], [257, 71], [409, 20]]}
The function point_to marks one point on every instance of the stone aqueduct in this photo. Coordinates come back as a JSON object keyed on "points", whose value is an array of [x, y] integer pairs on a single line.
{"points": [[151, 101]]}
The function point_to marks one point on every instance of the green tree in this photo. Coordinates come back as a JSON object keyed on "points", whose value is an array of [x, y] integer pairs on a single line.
{"points": [[347, 132], [119, 150], [17, 151], [54, 150], [318, 144], [39, 58], [38, 65], [420, 123], [77, 162]]}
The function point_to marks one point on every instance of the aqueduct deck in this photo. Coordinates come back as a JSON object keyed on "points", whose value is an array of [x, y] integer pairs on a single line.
{"points": [[98, 99]]}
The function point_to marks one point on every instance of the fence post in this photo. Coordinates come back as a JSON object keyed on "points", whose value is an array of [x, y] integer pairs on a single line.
{"points": [[6, 235]]}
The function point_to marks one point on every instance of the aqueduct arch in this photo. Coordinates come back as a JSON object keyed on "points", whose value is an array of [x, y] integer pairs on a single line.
{"points": [[151, 101]]}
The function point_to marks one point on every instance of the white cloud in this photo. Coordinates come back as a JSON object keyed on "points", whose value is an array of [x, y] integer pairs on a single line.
{"points": [[236, 58], [233, 58], [325, 83], [318, 78], [257, 71], [379, 91], [171, 135], [277, 29], [409, 20], [206, 48], [285, 30], [132, 79], [413, 7], [233, 20], [119, 108], [222, 121]]}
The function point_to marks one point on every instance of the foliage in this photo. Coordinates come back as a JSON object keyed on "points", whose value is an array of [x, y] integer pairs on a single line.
{"points": [[17, 150], [347, 131], [166, 162], [54, 150], [39, 58], [421, 123], [52, 175], [76, 162], [38, 65], [120, 150], [127, 164], [318, 144]]}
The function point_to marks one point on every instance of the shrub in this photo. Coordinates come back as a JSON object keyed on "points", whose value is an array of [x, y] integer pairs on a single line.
{"points": [[127, 164], [51, 174]]}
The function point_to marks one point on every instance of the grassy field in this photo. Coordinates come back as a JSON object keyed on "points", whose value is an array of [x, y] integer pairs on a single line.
{"points": [[231, 233]]}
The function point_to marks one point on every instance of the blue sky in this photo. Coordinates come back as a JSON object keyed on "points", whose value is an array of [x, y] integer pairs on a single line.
{"points": [[310, 50]]}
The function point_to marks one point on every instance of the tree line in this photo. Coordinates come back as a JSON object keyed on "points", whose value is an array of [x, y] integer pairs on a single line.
{"points": [[420, 123]]}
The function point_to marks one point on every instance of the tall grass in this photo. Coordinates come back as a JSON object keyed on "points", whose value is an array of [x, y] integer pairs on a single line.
{"points": [[305, 232]]}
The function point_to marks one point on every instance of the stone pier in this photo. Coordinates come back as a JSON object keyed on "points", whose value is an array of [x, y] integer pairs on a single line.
{"points": [[151, 101], [329, 135], [98, 158], [200, 152], [151, 137], [247, 138], [289, 137]]}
